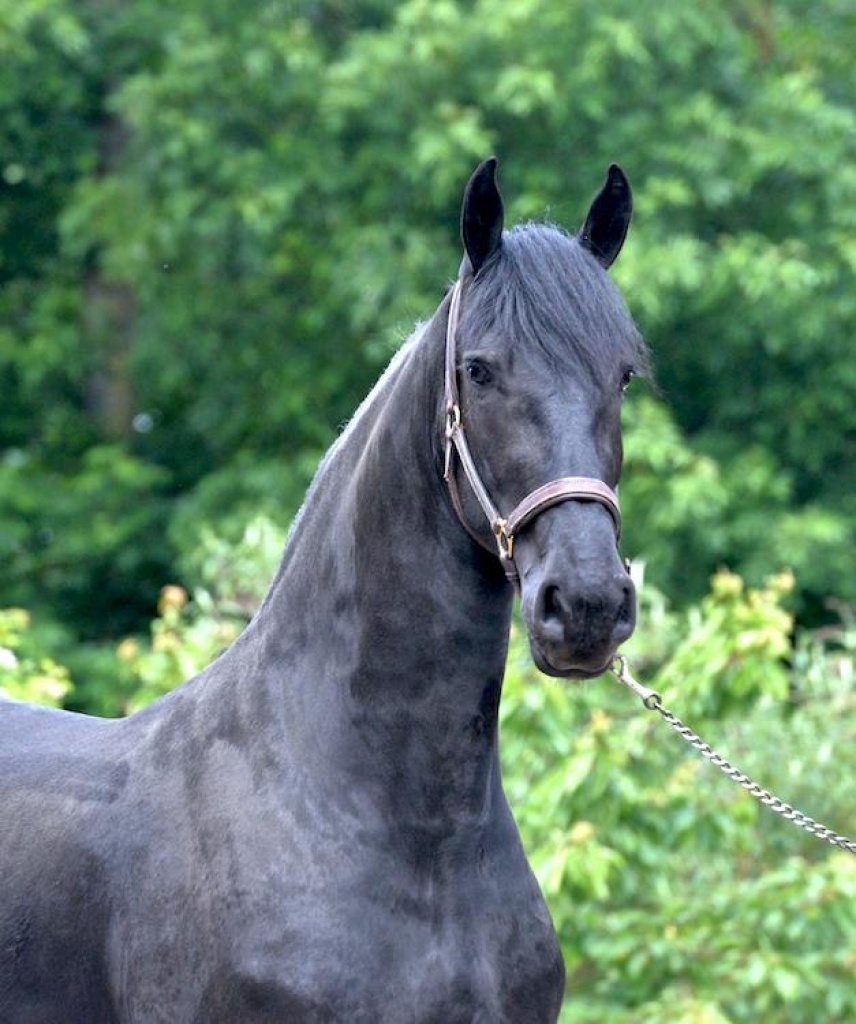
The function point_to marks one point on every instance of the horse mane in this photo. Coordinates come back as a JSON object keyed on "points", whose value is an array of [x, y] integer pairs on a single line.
{"points": [[397, 360], [533, 289]]}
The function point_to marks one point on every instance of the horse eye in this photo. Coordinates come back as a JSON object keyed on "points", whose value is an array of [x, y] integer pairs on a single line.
{"points": [[477, 371], [626, 378]]}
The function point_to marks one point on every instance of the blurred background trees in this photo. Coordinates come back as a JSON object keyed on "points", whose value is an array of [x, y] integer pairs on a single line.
{"points": [[217, 221]]}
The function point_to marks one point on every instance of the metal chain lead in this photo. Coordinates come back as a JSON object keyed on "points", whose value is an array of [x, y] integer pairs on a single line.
{"points": [[651, 699]]}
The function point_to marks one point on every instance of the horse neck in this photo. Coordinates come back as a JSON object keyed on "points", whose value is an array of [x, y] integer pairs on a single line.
{"points": [[387, 628]]}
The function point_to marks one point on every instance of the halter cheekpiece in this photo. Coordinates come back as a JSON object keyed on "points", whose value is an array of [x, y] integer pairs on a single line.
{"points": [[505, 528]]}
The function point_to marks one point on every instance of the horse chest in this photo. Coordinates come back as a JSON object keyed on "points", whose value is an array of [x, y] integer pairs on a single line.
{"points": [[378, 949], [301, 917]]}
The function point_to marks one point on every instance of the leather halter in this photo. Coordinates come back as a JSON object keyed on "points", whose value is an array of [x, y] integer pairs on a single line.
{"points": [[505, 528]]}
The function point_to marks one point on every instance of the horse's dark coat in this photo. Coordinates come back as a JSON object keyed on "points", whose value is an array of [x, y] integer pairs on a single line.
{"points": [[314, 829]]}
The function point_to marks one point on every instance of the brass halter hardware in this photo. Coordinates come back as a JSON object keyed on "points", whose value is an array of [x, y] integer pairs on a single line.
{"points": [[504, 528], [504, 540]]}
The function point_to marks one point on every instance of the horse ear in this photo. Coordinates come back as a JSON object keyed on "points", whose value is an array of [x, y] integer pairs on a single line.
{"points": [[608, 219], [481, 215]]}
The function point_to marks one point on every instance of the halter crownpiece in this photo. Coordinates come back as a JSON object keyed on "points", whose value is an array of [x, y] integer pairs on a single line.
{"points": [[505, 528]]}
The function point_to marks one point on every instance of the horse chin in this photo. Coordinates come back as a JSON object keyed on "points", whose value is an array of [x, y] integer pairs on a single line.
{"points": [[554, 664]]}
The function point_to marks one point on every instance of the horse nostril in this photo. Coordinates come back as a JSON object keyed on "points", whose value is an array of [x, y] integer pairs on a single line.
{"points": [[551, 614], [625, 620], [627, 608], [552, 607], [614, 604]]}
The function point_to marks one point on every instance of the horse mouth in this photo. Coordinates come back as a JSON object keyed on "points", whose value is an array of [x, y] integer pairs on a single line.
{"points": [[562, 666]]}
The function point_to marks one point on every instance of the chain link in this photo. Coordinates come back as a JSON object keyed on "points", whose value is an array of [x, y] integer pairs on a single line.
{"points": [[652, 701]]}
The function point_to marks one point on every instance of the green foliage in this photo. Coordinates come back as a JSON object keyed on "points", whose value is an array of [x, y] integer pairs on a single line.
{"points": [[47, 550], [189, 634], [676, 897], [23, 675], [182, 642], [215, 222]]}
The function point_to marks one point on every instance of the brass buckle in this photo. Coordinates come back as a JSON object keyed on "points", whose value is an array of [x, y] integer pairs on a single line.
{"points": [[453, 420], [504, 540], [453, 425]]}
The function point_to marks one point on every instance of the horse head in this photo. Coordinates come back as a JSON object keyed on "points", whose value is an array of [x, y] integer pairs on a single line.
{"points": [[540, 350]]}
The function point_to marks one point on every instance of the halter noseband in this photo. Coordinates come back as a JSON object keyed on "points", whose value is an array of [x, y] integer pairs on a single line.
{"points": [[505, 528]]}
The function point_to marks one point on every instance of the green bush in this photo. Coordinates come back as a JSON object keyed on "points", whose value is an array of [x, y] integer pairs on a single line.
{"points": [[217, 220], [191, 631], [676, 897], [26, 676]]}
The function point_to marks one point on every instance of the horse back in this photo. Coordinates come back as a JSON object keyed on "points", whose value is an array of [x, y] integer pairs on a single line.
{"points": [[56, 776]]}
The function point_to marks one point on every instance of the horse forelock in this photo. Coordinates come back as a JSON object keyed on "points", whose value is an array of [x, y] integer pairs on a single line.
{"points": [[544, 289]]}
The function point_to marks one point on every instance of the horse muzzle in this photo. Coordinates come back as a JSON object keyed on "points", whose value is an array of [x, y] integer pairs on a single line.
{"points": [[577, 619]]}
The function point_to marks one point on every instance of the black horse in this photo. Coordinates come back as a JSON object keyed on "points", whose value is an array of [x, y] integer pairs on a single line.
{"points": [[314, 828]]}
